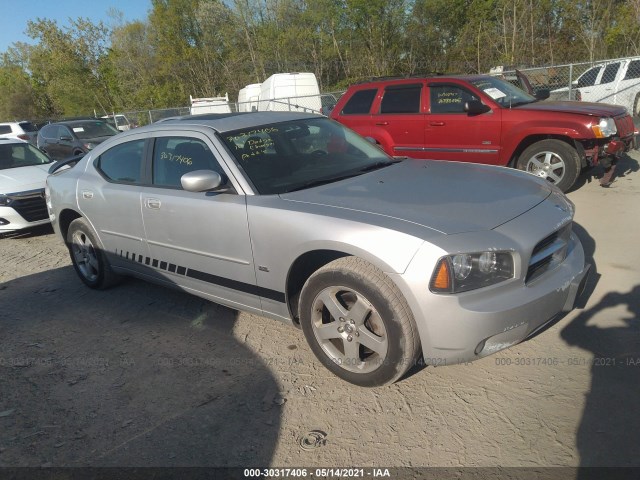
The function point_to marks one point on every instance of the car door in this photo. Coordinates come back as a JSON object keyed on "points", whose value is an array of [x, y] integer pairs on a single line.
{"points": [[587, 82], [453, 134], [67, 141], [628, 89], [356, 113], [50, 139], [199, 240], [109, 197], [607, 85], [399, 122]]}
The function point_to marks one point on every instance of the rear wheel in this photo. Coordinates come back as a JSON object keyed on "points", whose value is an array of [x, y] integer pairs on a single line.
{"points": [[636, 106], [358, 324], [554, 160], [89, 261]]}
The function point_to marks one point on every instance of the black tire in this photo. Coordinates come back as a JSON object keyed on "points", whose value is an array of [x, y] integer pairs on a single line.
{"points": [[89, 261], [555, 160], [375, 315], [636, 106]]}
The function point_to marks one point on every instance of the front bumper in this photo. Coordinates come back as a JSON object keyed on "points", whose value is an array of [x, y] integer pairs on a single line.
{"points": [[10, 220]]}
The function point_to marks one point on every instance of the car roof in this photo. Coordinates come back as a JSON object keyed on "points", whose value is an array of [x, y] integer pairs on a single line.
{"points": [[83, 121], [226, 122]]}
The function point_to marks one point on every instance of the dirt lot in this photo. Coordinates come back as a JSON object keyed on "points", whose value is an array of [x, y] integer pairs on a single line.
{"points": [[144, 376]]}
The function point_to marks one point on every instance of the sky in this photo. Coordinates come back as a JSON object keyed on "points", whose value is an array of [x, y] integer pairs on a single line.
{"points": [[16, 14]]}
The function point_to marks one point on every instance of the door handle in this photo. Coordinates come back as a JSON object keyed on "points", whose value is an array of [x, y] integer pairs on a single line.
{"points": [[88, 194], [436, 124], [152, 203], [382, 123]]}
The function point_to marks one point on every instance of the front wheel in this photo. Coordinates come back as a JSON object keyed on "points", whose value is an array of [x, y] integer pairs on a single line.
{"points": [[554, 160], [89, 261], [358, 324]]}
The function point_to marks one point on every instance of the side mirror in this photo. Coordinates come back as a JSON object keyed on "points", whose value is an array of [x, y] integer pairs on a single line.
{"points": [[66, 138], [476, 107], [543, 94], [202, 181]]}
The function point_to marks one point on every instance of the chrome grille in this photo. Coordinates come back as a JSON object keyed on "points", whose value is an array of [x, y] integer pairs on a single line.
{"points": [[548, 253], [30, 205]]}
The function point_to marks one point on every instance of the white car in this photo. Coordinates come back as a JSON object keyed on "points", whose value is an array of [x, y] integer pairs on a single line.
{"points": [[23, 130], [23, 171]]}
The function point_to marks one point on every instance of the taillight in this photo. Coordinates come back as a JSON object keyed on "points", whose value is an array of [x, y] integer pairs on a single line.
{"points": [[22, 136]]}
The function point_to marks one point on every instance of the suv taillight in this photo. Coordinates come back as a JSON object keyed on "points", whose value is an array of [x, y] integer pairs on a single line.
{"points": [[22, 136]]}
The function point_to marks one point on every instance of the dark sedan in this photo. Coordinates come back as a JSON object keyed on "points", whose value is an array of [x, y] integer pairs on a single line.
{"points": [[67, 139]]}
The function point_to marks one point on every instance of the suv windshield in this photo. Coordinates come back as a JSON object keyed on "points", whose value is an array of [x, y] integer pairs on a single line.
{"points": [[504, 93], [92, 129], [15, 155], [289, 156]]}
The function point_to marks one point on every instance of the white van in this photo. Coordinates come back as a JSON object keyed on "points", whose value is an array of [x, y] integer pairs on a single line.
{"points": [[248, 98], [210, 105], [292, 92]]}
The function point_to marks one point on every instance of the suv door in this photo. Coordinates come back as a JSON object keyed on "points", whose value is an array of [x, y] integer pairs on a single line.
{"points": [[399, 123], [66, 142], [586, 84], [356, 112], [50, 139], [628, 91], [199, 240], [608, 84], [453, 134]]}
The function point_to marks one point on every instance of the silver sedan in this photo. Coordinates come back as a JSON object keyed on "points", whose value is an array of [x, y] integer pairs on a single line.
{"points": [[382, 262]]}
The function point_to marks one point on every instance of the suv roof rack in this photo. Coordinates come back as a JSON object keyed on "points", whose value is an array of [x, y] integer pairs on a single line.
{"points": [[399, 77]]}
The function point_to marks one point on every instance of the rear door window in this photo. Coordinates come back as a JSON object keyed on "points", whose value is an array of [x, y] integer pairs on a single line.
{"points": [[123, 162], [589, 77], [360, 102], [610, 72], [401, 99]]}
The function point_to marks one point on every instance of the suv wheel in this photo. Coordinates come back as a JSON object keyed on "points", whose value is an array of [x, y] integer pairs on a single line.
{"points": [[636, 106], [554, 160], [357, 323]]}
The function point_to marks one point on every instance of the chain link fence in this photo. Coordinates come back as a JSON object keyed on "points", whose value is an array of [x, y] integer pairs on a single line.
{"points": [[615, 81], [321, 104]]}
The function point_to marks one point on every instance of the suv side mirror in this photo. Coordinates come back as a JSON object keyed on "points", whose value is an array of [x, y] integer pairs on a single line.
{"points": [[476, 107], [543, 94], [65, 138]]}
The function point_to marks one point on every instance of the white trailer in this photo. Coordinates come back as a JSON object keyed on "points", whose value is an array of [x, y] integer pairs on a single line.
{"points": [[248, 98], [210, 105], [292, 92]]}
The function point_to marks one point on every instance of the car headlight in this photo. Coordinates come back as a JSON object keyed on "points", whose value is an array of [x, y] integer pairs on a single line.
{"points": [[4, 200], [468, 271], [606, 127]]}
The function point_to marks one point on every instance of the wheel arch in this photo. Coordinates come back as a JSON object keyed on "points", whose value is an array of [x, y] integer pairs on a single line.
{"points": [[531, 139], [66, 216], [301, 269]]}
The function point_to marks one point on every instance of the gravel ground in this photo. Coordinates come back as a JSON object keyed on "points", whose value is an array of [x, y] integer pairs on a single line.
{"points": [[140, 375]]}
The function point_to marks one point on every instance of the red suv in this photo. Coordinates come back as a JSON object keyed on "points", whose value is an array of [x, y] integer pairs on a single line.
{"points": [[484, 119]]}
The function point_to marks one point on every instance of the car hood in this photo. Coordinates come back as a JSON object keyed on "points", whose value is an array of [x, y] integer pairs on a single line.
{"points": [[583, 108], [449, 197], [23, 179]]}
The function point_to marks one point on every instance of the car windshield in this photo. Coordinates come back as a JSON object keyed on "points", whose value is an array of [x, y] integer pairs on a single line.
{"points": [[502, 92], [15, 155], [92, 129], [284, 157]]}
